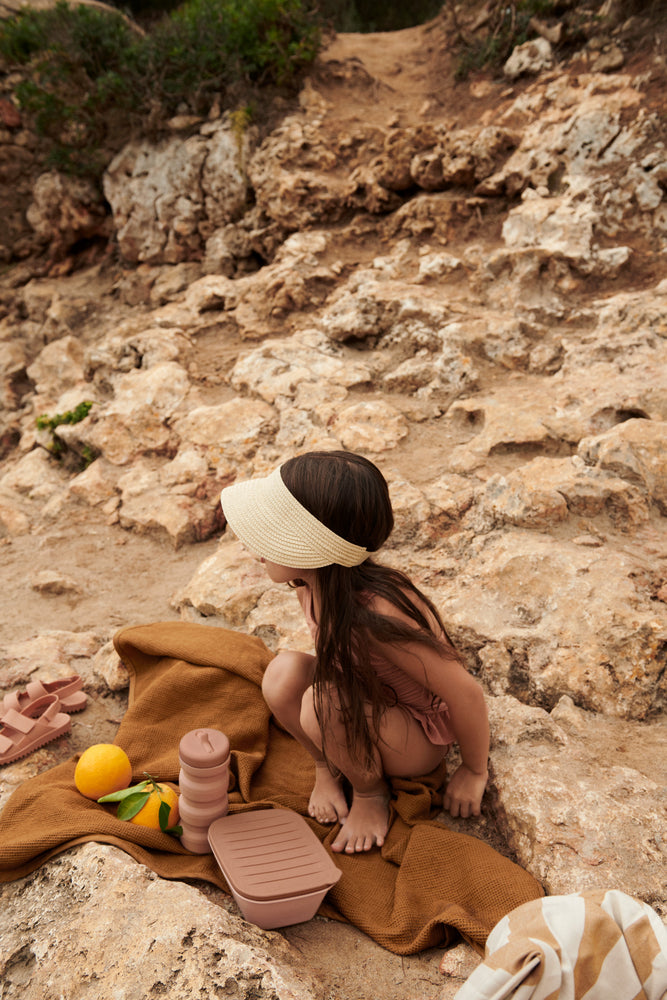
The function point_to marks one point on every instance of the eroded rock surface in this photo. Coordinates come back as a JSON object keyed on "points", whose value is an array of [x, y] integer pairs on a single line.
{"points": [[159, 937]]}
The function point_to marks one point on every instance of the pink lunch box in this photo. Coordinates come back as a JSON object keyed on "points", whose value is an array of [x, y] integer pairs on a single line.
{"points": [[277, 869]]}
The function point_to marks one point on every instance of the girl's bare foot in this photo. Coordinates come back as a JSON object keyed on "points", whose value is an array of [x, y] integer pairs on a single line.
{"points": [[367, 823], [327, 800]]}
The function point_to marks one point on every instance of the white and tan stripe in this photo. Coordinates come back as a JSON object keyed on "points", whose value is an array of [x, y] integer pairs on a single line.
{"points": [[593, 945]]}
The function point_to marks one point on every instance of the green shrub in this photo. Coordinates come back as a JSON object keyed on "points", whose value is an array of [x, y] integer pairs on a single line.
{"points": [[80, 79], [56, 446], [204, 46], [93, 77]]}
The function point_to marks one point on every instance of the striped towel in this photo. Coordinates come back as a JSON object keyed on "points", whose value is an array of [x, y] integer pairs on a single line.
{"points": [[592, 945]]}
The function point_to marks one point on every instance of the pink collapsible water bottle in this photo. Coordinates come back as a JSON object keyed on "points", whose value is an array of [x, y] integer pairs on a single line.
{"points": [[203, 782]]}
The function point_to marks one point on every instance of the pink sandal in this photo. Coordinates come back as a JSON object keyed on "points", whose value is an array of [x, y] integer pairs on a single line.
{"points": [[25, 731], [68, 690]]}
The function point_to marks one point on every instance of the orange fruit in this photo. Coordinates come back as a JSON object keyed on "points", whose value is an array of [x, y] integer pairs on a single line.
{"points": [[149, 815], [102, 769]]}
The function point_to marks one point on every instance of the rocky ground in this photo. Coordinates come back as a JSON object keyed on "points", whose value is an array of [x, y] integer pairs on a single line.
{"points": [[466, 281]]}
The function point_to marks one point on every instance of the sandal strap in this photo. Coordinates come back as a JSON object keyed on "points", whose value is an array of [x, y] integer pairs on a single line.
{"points": [[53, 709], [5, 744], [35, 690], [11, 701], [14, 720]]}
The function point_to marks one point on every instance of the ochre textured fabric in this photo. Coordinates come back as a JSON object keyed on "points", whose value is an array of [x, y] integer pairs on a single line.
{"points": [[426, 883]]}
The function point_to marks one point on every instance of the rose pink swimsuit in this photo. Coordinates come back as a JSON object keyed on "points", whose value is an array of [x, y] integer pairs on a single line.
{"points": [[431, 713]]}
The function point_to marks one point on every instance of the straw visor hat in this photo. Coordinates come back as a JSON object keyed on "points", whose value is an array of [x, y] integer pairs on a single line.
{"points": [[274, 525]]}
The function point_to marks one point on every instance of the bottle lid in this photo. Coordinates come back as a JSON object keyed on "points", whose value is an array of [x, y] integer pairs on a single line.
{"points": [[204, 748]]}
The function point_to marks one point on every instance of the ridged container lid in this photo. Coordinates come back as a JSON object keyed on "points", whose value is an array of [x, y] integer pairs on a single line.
{"points": [[271, 854], [204, 748]]}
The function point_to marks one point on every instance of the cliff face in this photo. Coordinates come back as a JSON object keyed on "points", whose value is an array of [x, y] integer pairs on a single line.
{"points": [[466, 282]]}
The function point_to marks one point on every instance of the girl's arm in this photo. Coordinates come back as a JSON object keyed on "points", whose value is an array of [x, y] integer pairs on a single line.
{"points": [[470, 723], [447, 678]]}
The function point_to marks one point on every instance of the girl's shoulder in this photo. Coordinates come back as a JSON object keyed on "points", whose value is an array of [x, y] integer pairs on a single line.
{"points": [[381, 605]]}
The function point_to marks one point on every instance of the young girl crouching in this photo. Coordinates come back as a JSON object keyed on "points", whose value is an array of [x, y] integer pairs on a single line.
{"points": [[385, 693]]}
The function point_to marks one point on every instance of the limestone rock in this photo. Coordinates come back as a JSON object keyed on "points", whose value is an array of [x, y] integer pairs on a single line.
{"points": [[553, 223], [461, 157], [135, 421], [571, 832], [226, 586], [97, 484], [179, 499], [531, 57], [53, 583], [132, 346], [232, 431], [393, 167], [357, 313], [363, 192], [297, 197], [59, 366], [546, 491], [371, 426], [635, 450], [459, 962], [609, 59], [437, 265], [277, 619], [168, 198], [223, 180], [121, 437], [295, 281], [53, 654], [110, 669], [65, 210], [182, 942], [13, 521], [546, 618], [568, 412], [283, 367], [36, 474], [440, 377]]}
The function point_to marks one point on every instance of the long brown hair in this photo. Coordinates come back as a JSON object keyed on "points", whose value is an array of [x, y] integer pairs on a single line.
{"points": [[349, 494]]}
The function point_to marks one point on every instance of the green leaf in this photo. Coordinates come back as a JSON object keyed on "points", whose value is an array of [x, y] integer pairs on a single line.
{"points": [[124, 793], [163, 819], [163, 815], [130, 806]]}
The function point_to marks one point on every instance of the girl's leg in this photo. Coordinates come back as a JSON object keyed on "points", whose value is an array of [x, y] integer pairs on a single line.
{"points": [[402, 750], [285, 680]]}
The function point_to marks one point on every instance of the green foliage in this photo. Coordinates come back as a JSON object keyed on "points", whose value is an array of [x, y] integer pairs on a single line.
{"points": [[204, 46], [74, 416], [93, 76], [133, 799], [58, 447], [80, 62]]}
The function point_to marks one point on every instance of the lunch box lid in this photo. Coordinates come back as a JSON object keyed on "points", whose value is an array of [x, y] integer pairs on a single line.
{"points": [[271, 854]]}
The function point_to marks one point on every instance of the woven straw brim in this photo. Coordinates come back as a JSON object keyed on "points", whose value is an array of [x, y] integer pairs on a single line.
{"points": [[272, 524]]}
